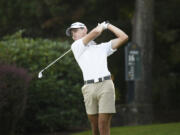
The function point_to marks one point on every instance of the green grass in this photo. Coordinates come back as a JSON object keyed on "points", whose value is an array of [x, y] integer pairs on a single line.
{"points": [[156, 129]]}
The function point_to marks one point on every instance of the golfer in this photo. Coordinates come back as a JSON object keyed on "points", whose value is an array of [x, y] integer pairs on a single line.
{"points": [[98, 90]]}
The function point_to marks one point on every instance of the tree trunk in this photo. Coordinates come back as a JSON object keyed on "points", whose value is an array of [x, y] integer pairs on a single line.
{"points": [[143, 37]]}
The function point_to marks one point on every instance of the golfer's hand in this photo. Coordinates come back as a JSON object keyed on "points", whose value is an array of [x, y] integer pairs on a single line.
{"points": [[104, 25], [100, 27]]}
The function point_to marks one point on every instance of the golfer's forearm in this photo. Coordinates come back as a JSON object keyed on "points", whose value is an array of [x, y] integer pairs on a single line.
{"points": [[118, 32], [92, 34], [121, 36], [95, 33]]}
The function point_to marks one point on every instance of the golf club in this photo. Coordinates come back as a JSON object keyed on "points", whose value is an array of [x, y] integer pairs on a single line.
{"points": [[40, 73]]}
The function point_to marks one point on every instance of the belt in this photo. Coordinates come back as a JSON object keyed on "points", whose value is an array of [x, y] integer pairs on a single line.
{"points": [[99, 80]]}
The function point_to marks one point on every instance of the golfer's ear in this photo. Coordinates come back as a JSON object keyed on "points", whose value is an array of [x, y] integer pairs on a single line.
{"points": [[85, 30]]}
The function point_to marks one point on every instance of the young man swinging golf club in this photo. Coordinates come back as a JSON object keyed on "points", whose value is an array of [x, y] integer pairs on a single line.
{"points": [[98, 89]]}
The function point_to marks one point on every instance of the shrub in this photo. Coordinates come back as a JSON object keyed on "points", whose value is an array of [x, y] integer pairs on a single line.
{"points": [[55, 101], [13, 95]]}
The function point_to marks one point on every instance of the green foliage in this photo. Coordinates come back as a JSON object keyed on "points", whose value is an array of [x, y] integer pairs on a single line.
{"points": [[51, 17], [55, 101], [13, 96], [166, 75]]}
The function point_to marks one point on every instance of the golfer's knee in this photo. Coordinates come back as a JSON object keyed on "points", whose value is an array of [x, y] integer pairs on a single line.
{"points": [[103, 125]]}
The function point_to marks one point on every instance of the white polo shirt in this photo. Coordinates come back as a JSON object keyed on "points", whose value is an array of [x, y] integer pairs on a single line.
{"points": [[92, 58]]}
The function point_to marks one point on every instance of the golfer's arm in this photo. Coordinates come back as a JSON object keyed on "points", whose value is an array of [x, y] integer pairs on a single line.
{"points": [[121, 36], [94, 33]]}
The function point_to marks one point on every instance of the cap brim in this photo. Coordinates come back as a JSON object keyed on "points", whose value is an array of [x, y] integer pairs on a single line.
{"points": [[68, 31]]}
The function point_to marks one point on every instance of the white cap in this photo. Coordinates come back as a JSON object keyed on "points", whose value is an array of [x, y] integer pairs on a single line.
{"points": [[74, 25]]}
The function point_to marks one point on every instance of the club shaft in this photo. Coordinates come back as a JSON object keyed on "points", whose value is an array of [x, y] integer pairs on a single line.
{"points": [[56, 60]]}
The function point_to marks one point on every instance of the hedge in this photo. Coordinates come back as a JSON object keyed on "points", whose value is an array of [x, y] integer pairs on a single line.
{"points": [[54, 102]]}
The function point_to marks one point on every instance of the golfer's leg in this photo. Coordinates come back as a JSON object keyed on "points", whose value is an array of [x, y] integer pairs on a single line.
{"points": [[104, 123], [94, 123]]}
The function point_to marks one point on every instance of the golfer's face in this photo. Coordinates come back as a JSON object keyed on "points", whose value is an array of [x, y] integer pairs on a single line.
{"points": [[78, 33]]}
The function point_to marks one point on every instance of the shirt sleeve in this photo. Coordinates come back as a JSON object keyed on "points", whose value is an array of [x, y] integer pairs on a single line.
{"points": [[108, 47], [78, 48]]}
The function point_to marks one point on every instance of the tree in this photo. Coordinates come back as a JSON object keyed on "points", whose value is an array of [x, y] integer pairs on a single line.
{"points": [[143, 36]]}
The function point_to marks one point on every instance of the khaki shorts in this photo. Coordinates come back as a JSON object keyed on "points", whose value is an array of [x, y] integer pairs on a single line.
{"points": [[99, 97]]}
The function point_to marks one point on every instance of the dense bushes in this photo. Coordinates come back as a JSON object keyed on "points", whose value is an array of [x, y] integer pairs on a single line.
{"points": [[55, 101], [13, 96]]}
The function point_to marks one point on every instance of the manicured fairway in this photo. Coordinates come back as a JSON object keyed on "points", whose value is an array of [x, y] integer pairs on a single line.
{"points": [[156, 129]]}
